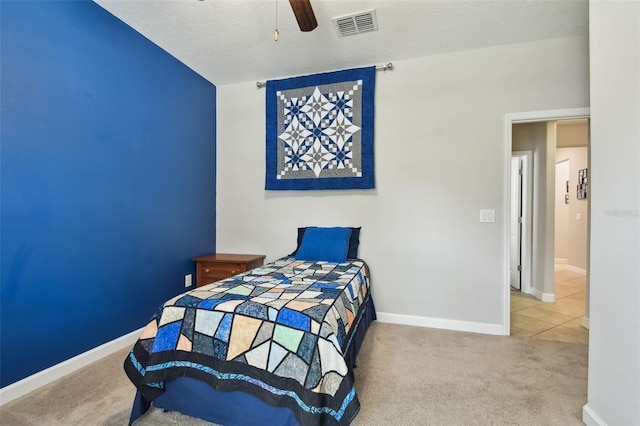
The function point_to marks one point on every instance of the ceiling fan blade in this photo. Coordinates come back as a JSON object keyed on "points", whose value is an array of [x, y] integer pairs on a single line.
{"points": [[304, 14]]}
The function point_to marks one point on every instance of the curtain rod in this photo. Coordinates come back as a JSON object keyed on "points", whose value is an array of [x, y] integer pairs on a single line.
{"points": [[389, 66]]}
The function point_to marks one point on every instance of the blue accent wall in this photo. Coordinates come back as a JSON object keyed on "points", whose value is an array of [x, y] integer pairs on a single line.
{"points": [[107, 180]]}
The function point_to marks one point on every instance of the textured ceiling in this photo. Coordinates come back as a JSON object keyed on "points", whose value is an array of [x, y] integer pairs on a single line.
{"points": [[231, 41]]}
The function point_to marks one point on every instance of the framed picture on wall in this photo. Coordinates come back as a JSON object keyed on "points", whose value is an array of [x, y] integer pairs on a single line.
{"points": [[583, 181]]}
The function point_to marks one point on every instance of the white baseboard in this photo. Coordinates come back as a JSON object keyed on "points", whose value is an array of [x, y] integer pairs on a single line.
{"points": [[576, 270], [585, 322], [446, 324], [590, 418], [545, 297], [44, 377], [563, 265]]}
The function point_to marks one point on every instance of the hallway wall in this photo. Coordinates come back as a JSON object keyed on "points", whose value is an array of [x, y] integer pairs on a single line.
{"points": [[534, 137], [577, 211]]}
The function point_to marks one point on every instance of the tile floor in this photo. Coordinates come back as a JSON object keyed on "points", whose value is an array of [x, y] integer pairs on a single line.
{"points": [[560, 320]]}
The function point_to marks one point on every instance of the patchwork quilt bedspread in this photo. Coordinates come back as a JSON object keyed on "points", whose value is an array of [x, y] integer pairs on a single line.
{"points": [[279, 332]]}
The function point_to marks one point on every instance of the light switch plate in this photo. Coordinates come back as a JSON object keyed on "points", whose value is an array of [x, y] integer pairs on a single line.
{"points": [[487, 216]]}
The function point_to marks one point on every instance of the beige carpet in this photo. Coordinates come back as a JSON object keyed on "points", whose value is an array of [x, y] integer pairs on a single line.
{"points": [[405, 376]]}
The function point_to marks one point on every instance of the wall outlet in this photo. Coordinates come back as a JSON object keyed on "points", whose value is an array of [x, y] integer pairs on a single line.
{"points": [[187, 280]]}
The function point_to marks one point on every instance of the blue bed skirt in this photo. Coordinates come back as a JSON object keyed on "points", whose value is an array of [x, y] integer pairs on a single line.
{"points": [[233, 408]]}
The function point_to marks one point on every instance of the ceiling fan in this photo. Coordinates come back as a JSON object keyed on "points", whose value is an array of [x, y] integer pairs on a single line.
{"points": [[304, 14]]}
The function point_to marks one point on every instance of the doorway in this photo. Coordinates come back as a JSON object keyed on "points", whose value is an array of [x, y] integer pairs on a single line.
{"points": [[541, 262]]}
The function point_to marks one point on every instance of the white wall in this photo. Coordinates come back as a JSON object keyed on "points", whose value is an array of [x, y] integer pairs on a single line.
{"points": [[539, 138], [576, 230], [614, 337], [440, 158]]}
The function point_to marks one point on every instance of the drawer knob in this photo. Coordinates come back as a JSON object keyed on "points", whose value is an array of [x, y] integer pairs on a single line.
{"points": [[206, 270], [233, 271]]}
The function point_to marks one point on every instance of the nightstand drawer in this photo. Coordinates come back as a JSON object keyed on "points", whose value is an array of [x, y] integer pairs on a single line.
{"points": [[216, 267], [221, 271]]}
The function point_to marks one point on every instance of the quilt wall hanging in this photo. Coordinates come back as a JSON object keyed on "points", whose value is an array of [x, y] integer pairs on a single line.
{"points": [[320, 131]]}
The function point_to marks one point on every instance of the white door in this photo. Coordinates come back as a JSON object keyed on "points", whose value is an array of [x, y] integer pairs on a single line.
{"points": [[515, 233], [561, 240]]}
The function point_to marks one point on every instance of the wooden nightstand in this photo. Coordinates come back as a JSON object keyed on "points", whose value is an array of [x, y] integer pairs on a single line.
{"points": [[216, 267]]}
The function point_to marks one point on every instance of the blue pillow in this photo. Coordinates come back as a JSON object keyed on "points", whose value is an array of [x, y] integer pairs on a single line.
{"points": [[354, 242], [328, 244]]}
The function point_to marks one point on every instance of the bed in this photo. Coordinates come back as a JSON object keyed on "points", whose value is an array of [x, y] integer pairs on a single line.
{"points": [[274, 345]]}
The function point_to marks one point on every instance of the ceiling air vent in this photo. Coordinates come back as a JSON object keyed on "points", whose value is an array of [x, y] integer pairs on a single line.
{"points": [[357, 23]]}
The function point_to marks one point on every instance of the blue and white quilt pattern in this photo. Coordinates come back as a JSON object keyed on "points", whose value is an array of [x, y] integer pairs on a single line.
{"points": [[320, 131], [281, 333]]}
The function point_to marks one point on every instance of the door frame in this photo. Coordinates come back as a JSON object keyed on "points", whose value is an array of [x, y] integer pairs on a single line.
{"points": [[509, 120]]}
